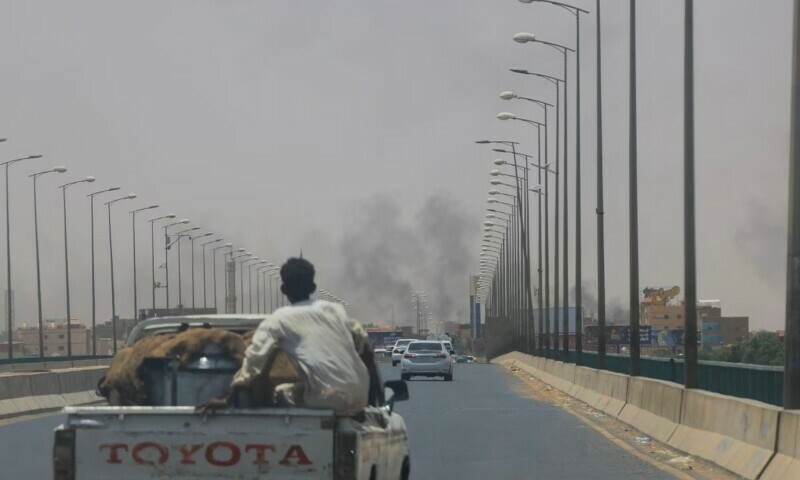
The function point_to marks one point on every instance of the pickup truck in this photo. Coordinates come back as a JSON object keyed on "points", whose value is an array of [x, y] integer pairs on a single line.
{"points": [[172, 440]]}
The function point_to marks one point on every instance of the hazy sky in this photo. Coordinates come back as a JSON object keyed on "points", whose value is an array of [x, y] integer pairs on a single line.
{"points": [[346, 129]]}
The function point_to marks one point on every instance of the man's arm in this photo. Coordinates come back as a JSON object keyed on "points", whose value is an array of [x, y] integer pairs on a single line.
{"points": [[266, 339]]}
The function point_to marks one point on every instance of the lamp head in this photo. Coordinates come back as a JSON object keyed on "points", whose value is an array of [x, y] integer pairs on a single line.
{"points": [[170, 215], [506, 116], [520, 70], [131, 196], [507, 95], [524, 37], [60, 169], [499, 161], [495, 172], [184, 221], [483, 142], [89, 179]]}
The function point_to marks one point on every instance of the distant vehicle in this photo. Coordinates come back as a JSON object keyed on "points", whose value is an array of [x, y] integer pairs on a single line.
{"points": [[461, 359], [381, 352], [470, 359], [397, 350], [427, 358]]}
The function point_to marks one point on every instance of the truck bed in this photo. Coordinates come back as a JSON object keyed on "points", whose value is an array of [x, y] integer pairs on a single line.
{"points": [[134, 443]]}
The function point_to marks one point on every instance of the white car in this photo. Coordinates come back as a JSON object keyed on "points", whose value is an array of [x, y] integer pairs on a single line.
{"points": [[398, 349], [427, 358]]}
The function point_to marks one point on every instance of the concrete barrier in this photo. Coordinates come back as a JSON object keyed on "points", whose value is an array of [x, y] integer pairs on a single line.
{"points": [[14, 385], [584, 387], [737, 434], [612, 390], [25, 393], [653, 407], [786, 462]]}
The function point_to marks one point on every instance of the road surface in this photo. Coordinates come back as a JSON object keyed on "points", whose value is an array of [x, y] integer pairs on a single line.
{"points": [[476, 427]]}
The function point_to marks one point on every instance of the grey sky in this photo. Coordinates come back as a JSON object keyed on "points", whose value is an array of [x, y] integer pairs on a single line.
{"points": [[275, 123]]}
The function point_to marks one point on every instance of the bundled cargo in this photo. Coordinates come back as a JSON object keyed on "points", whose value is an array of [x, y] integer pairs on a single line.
{"points": [[186, 367]]}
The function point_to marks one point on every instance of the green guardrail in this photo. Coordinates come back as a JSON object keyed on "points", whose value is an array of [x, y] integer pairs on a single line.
{"points": [[75, 358], [756, 382]]}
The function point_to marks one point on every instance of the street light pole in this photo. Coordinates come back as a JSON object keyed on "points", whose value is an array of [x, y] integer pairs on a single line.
{"points": [[241, 277], [601, 251], [153, 253], [791, 369], [167, 246], [130, 196], [9, 299], [214, 259], [94, 297], [634, 205], [35, 176], [135, 289], [249, 284], [205, 283], [66, 260], [180, 236], [690, 258], [192, 239]]}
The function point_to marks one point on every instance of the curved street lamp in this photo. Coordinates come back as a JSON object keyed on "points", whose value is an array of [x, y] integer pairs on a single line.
{"points": [[178, 241], [135, 288], [9, 297], [167, 246], [66, 260], [192, 239], [205, 282], [214, 260], [153, 252], [129, 196], [35, 176]]}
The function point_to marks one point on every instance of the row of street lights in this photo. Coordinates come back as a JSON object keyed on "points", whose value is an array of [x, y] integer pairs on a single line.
{"points": [[499, 270], [516, 242], [262, 268]]}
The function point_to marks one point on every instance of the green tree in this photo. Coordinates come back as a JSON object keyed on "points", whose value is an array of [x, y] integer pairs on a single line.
{"points": [[763, 348]]}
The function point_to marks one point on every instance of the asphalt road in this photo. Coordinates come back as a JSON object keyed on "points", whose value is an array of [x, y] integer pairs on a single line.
{"points": [[475, 427]]}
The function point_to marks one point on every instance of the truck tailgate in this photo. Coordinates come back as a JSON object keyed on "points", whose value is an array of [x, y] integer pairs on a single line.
{"points": [[133, 443]]}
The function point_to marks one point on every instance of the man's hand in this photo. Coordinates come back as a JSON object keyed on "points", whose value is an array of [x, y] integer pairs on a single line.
{"points": [[212, 405]]}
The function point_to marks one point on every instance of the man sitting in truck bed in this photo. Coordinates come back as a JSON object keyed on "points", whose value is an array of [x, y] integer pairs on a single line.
{"points": [[319, 339]]}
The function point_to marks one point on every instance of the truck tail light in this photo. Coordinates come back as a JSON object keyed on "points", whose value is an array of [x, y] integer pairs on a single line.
{"points": [[64, 455], [409, 355], [440, 355], [345, 452]]}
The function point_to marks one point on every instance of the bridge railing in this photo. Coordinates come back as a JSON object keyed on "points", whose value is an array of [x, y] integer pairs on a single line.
{"points": [[756, 382]]}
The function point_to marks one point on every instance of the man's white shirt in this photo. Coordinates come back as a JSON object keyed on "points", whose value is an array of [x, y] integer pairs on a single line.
{"points": [[321, 342]]}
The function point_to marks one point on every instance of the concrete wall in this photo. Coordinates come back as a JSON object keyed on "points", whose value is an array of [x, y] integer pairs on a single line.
{"points": [[24, 393], [786, 463], [749, 438], [653, 406], [737, 434]]}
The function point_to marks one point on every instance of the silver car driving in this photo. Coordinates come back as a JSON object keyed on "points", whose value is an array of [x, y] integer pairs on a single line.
{"points": [[426, 358]]}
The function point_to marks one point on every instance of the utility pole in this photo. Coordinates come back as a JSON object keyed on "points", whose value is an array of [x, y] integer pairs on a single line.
{"points": [[791, 372]]}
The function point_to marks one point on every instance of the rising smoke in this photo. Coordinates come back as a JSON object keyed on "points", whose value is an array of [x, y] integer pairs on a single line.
{"points": [[617, 313], [385, 255]]}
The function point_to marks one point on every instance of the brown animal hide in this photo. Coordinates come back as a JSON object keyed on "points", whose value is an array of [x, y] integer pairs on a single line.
{"points": [[123, 384]]}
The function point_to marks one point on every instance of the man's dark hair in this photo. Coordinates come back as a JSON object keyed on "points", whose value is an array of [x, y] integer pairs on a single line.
{"points": [[297, 275]]}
